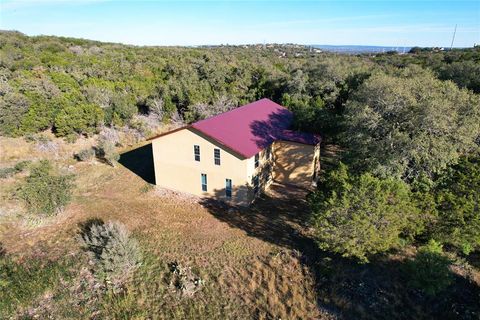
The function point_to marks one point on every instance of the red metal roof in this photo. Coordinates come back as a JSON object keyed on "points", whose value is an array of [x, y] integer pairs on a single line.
{"points": [[253, 127]]}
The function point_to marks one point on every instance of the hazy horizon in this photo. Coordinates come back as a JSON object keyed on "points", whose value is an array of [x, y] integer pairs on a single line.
{"points": [[194, 23], [239, 44]]}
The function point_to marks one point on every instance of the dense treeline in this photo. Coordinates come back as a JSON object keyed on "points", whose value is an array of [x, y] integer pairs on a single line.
{"points": [[409, 124], [74, 86], [462, 66]]}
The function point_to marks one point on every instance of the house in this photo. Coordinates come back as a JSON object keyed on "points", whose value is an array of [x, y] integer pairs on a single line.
{"points": [[235, 155]]}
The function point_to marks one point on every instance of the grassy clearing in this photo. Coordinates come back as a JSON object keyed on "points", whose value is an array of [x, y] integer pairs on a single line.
{"points": [[169, 229], [23, 281]]}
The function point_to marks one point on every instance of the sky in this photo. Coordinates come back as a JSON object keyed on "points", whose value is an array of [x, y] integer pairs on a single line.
{"points": [[389, 23]]}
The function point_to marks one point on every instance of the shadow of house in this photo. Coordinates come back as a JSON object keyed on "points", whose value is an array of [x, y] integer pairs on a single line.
{"points": [[294, 163], [378, 290], [140, 162], [266, 132], [3, 252], [275, 220]]}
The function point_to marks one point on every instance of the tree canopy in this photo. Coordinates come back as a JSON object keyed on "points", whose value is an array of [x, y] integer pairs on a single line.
{"points": [[357, 216], [408, 123]]}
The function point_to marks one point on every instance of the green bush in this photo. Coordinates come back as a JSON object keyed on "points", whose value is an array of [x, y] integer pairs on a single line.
{"points": [[10, 171], [429, 271], [45, 191], [22, 165], [457, 196], [85, 154], [364, 215], [13, 107], [6, 172], [122, 109], [114, 253], [78, 119], [39, 117], [107, 151]]}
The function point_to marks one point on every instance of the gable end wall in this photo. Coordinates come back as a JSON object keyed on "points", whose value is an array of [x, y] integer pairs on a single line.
{"points": [[176, 168]]}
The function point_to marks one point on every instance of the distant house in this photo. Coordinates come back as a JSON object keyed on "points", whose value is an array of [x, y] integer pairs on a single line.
{"points": [[235, 155]]}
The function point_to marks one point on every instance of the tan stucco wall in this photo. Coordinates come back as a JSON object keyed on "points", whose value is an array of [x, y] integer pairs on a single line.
{"points": [[176, 168], [294, 163]]}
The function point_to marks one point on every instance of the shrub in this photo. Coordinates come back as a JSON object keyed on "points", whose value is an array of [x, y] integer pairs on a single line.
{"points": [[78, 119], [38, 138], [429, 271], [458, 206], [43, 143], [85, 154], [6, 172], [45, 191], [106, 151], [110, 134], [38, 117], [106, 143], [10, 171], [122, 108], [13, 107], [360, 216], [114, 253], [22, 165]]}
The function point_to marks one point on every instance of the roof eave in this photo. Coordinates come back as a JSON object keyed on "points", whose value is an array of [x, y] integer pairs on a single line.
{"points": [[237, 153]]}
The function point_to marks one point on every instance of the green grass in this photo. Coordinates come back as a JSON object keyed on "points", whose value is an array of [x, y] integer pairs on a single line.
{"points": [[22, 282]]}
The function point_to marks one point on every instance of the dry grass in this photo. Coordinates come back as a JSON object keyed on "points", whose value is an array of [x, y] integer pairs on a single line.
{"points": [[257, 263], [170, 228], [281, 285]]}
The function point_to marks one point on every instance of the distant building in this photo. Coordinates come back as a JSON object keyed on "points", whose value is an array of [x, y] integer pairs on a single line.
{"points": [[236, 155]]}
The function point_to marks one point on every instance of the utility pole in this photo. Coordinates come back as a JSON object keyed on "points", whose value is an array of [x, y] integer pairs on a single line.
{"points": [[453, 38]]}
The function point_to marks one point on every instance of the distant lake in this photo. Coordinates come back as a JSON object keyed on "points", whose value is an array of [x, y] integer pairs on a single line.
{"points": [[352, 49]]}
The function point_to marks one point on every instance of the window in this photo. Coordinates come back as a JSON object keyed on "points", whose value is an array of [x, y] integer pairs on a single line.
{"points": [[228, 188], [196, 151], [216, 156], [255, 184], [204, 182], [257, 160]]}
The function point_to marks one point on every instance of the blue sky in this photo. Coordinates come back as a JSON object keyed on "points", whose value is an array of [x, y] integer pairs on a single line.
{"points": [[392, 23]]}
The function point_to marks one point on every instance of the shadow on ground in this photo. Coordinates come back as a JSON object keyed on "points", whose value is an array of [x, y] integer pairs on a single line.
{"points": [[140, 162], [377, 290]]}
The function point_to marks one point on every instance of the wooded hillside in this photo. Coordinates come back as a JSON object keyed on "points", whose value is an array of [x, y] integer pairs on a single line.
{"points": [[391, 230]]}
